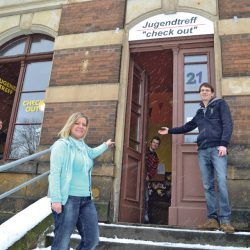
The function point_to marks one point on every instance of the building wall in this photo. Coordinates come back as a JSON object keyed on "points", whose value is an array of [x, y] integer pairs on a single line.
{"points": [[234, 21], [85, 77]]}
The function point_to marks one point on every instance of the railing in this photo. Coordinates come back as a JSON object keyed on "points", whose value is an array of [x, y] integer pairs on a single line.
{"points": [[19, 162]]}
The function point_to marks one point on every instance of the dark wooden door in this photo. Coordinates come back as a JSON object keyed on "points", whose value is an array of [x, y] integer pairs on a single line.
{"points": [[132, 186], [193, 67]]}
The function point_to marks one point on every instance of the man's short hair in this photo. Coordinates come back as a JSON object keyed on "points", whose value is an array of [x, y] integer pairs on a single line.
{"points": [[206, 85], [156, 138]]}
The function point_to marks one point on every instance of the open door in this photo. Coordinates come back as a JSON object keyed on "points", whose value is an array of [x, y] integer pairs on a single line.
{"points": [[195, 66], [132, 186]]}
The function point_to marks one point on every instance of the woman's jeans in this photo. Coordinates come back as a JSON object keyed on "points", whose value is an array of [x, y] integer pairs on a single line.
{"points": [[78, 212], [213, 166]]}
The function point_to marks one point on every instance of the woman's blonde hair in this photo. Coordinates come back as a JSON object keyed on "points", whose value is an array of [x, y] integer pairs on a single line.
{"points": [[65, 132]]}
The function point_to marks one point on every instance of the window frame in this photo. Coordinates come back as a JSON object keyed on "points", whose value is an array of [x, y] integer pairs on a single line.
{"points": [[24, 59]]}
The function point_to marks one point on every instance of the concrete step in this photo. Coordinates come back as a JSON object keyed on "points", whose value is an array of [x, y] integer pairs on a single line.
{"points": [[127, 236], [174, 235]]}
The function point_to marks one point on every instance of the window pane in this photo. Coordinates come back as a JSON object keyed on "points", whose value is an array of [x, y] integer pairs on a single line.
{"points": [[190, 111], [25, 140], [192, 97], [134, 130], [37, 76], [40, 45], [31, 108], [190, 138], [196, 58], [15, 48], [195, 75], [136, 90]]}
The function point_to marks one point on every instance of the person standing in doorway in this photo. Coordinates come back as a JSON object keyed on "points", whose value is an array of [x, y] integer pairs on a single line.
{"points": [[2, 139], [152, 162], [215, 125], [71, 164]]}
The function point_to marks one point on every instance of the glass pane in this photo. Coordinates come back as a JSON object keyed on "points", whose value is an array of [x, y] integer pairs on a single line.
{"points": [[25, 140], [133, 144], [190, 138], [192, 97], [196, 58], [194, 75], [40, 45], [37, 76], [31, 108], [190, 111], [136, 90], [134, 130], [15, 48]]}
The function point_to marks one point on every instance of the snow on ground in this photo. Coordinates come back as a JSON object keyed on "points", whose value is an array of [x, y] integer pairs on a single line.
{"points": [[17, 226]]}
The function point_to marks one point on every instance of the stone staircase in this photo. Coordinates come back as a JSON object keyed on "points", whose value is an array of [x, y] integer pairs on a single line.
{"points": [[132, 236]]}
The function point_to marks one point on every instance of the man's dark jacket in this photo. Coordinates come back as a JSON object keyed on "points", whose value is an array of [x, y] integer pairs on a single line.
{"points": [[214, 123]]}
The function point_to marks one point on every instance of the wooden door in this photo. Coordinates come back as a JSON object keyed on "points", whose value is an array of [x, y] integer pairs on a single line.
{"points": [[132, 186], [193, 67]]}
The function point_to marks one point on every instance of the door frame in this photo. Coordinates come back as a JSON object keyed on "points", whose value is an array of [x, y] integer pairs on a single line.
{"points": [[175, 44]]}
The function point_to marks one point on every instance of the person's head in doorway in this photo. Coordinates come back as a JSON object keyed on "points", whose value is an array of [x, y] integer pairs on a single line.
{"points": [[155, 143]]}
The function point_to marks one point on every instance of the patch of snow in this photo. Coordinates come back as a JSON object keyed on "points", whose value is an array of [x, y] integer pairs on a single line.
{"points": [[169, 244], [160, 244], [171, 229], [17, 226]]}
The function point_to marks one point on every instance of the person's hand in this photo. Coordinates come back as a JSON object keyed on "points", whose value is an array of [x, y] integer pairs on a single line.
{"points": [[110, 143], [222, 151], [163, 131], [57, 207]]}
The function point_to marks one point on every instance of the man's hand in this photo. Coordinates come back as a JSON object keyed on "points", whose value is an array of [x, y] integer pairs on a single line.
{"points": [[163, 131], [57, 207], [222, 151]]}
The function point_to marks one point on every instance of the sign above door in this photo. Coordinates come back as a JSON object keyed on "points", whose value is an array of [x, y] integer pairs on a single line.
{"points": [[173, 25]]}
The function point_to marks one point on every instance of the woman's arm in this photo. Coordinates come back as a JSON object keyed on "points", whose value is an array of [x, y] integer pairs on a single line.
{"points": [[57, 159], [95, 152]]}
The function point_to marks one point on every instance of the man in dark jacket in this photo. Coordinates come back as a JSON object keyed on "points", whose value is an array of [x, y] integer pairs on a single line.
{"points": [[214, 122], [152, 162]]}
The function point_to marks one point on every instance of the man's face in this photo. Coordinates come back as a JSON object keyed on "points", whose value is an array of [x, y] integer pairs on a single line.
{"points": [[154, 144], [1, 125], [206, 94]]}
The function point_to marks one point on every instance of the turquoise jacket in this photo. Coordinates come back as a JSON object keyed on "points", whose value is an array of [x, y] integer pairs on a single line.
{"points": [[61, 164]]}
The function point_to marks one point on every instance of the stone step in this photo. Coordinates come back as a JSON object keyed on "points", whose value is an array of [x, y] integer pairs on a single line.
{"points": [[174, 235], [130, 244], [127, 236]]}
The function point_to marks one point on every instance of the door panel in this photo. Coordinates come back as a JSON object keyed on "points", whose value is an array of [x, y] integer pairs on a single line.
{"points": [[132, 186], [188, 203]]}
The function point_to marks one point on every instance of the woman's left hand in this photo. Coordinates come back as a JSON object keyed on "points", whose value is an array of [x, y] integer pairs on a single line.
{"points": [[110, 143]]}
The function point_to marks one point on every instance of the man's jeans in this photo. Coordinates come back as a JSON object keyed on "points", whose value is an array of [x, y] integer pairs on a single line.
{"points": [[214, 167], [78, 212]]}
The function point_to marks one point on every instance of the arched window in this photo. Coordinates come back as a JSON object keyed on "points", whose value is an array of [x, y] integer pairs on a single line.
{"points": [[25, 67]]}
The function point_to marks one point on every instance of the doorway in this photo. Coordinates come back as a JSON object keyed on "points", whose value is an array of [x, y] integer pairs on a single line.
{"points": [[174, 70], [153, 70], [159, 68]]}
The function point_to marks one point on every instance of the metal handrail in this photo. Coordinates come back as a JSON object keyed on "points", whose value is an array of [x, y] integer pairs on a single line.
{"points": [[23, 160], [19, 162]]}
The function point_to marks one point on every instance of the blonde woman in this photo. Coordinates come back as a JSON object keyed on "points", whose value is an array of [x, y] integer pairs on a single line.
{"points": [[71, 164]]}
